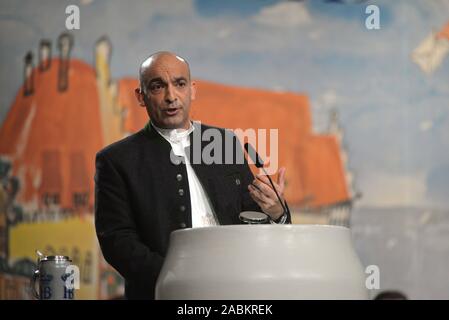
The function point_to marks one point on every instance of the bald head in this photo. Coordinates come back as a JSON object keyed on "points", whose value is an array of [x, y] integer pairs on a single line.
{"points": [[158, 59]]}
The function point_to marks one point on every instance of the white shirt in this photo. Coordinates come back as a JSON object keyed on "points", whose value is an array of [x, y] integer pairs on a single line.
{"points": [[202, 213]]}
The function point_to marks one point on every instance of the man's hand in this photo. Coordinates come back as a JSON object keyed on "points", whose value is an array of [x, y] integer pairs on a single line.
{"points": [[262, 192]]}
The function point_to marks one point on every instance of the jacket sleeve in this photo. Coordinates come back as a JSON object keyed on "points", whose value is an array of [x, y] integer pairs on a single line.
{"points": [[116, 229]]}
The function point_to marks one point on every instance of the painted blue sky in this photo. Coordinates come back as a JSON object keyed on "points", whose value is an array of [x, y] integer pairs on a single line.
{"points": [[395, 117]]}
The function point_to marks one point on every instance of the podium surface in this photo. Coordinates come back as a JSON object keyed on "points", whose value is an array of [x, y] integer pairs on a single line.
{"points": [[262, 262]]}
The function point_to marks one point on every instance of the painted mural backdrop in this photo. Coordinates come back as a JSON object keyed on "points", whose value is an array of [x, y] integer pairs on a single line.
{"points": [[361, 114]]}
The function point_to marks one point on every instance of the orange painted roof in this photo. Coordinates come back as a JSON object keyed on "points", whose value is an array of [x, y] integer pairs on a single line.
{"points": [[63, 128], [322, 173], [444, 33], [299, 149], [136, 116], [52, 137]]}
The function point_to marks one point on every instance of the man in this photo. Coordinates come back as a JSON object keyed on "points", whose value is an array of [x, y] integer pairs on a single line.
{"points": [[148, 184]]}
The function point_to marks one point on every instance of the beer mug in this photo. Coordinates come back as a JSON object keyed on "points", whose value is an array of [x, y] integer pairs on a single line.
{"points": [[53, 274]]}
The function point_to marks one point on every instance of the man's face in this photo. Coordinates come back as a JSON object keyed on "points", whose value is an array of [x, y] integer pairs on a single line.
{"points": [[167, 92]]}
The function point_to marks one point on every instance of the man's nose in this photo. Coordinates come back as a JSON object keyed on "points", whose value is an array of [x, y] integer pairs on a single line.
{"points": [[170, 94]]}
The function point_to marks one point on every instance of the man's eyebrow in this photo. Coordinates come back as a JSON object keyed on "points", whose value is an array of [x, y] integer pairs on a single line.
{"points": [[158, 79], [180, 78]]}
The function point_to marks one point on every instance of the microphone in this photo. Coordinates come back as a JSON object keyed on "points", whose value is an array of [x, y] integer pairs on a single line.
{"points": [[252, 153], [254, 156]]}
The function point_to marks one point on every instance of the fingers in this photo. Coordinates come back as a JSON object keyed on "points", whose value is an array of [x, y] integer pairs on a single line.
{"points": [[259, 197], [261, 191], [265, 187], [268, 205], [264, 181], [263, 178], [281, 178]]}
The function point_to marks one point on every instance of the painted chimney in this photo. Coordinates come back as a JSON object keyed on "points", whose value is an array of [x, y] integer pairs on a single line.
{"points": [[103, 51], [65, 44], [28, 87], [44, 55]]}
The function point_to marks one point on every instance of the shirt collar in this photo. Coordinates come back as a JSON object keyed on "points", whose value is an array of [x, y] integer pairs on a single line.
{"points": [[174, 135]]}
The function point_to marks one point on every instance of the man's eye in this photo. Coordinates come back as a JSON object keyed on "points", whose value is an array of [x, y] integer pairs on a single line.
{"points": [[155, 87], [181, 84]]}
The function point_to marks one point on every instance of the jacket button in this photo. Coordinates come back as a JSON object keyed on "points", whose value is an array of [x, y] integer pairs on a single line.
{"points": [[182, 225], [181, 192], [182, 208], [237, 182], [179, 177]]}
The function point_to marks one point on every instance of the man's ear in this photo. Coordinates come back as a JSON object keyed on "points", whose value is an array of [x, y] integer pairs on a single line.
{"points": [[139, 95], [192, 90]]}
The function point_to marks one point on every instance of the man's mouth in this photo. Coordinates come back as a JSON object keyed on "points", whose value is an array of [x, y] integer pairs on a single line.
{"points": [[171, 111]]}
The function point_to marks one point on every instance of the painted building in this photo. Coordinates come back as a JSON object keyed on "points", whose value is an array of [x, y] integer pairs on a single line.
{"points": [[67, 110]]}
